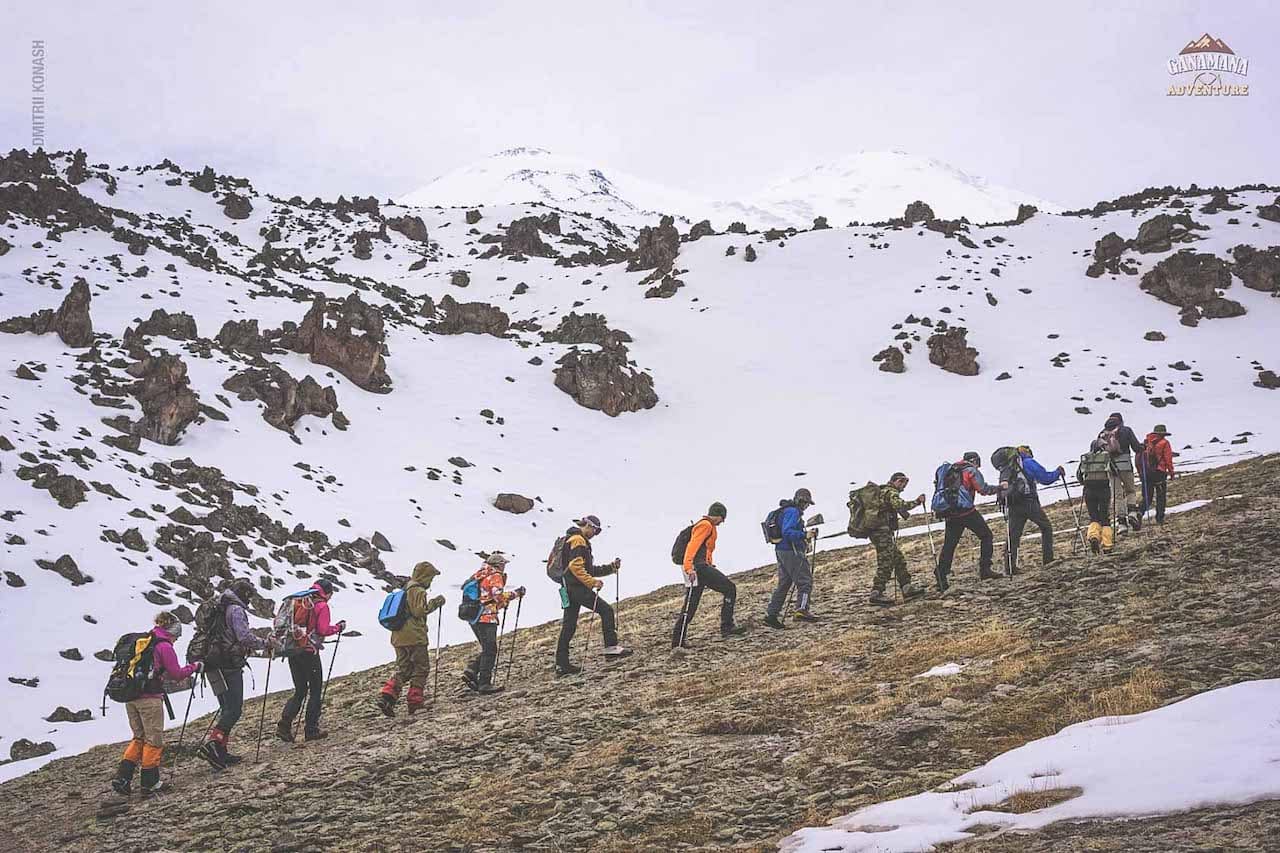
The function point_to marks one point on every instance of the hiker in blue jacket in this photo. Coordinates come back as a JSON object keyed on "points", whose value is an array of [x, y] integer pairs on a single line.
{"points": [[1018, 486], [793, 562]]}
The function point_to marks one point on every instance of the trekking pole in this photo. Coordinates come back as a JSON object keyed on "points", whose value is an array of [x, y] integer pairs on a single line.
{"points": [[897, 583], [928, 529], [435, 687], [617, 598], [173, 765], [592, 621], [262, 717], [497, 651], [325, 687], [1008, 542], [514, 631], [684, 614], [1079, 534]]}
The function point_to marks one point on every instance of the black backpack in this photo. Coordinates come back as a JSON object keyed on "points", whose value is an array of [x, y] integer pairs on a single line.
{"points": [[681, 545], [772, 525], [132, 668], [1008, 462], [210, 644]]}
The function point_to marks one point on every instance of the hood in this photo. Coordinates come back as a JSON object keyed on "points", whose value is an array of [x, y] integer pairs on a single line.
{"points": [[424, 573], [1113, 422], [162, 634], [319, 591], [229, 597]]}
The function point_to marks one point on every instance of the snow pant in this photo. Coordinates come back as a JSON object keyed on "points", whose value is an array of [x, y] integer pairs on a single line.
{"points": [[146, 721], [709, 577], [481, 666], [1097, 501], [579, 597], [308, 683], [793, 569], [889, 559], [413, 667], [955, 528], [1123, 488], [1155, 490], [1020, 512], [228, 686]]}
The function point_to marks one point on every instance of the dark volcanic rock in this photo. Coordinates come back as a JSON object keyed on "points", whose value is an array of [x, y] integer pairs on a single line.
{"points": [[286, 399], [460, 278], [951, 351], [478, 318], [180, 326], [577, 328], [71, 321], [410, 226], [820, 223], [67, 490], [1160, 232], [1221, 200], [524, 236], [700, 230], [63, 714], [749, 254], [1267, 379], [891, 360], [363, 250], [473, 216], [605, 381], [1191, 281], [1153, 336], [242, 336], [168, 403], [1106, 255], [513, 503], [918, 211], [1270, 212], [206, 181], [22, 749], [1259, 269], [656, 247], [236, 206], [66, 567], [356, 356], [665, 289]]}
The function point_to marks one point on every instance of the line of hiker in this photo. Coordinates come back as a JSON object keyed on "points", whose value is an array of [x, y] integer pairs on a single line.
{"points": [[146, 666]]}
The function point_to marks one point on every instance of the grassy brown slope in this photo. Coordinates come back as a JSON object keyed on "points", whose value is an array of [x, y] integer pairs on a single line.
{"points": [[741, 741]]}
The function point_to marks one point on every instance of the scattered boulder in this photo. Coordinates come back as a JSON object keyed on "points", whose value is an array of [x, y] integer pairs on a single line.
{"points": [[700, 230], [479, 318], [63, 714], [359, 357], [1106, 255], [363, 250], [1160, 232], [236, 206], [411, 227], [656, 247], [380, 542], [286, 399], [665, 289], [459, 278], [1153, 336], [950, 350], [820, 223], [205, 181], [524, 236], [1268, 379], [1259, 269], [473, 216], [71, 321], [513, 503], [168, 403], [891, 360], [749, 254], [242, 336], [22, 749], [589, 328], [67, 490], [1191, 280], [1270, 212], [918, 211], [180, 326], [66, 567], [605, 381], [1221, 200]]}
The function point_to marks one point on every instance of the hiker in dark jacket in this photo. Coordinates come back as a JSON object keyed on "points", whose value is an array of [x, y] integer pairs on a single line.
{"points": [[580, 588], [700, 573], [971, 520], [412, 644], [1155, 466], [146, 713], [1119, 440], [1023, 502], [881, 529], [305, 664], [792, 554], [226, 675]]}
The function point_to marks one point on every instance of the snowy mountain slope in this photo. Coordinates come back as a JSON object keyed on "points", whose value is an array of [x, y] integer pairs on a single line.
{"points": [[869, 186], [763, 371]]}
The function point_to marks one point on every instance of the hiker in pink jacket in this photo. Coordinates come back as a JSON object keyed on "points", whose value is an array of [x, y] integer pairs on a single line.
{"points": [[311, 610], [146, 713]]}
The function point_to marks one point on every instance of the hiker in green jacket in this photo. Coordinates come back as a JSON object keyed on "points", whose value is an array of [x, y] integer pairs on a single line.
{"points": [[412, 644], [882, 506]]}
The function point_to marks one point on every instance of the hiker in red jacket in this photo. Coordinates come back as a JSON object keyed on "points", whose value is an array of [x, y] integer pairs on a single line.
{"points": [[971, 519], [1155, 467], [306, 667]]}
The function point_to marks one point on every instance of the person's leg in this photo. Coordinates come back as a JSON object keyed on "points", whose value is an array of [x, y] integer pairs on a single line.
{"points": [[779, 597], [1041, 520], [568, 627], [473, 665], [882, 540], [986, 542], [151, 712], [713, 579], [1129, 492], [1162, 496], [132, 753], [952, 532], [608, 626], [1017, 516], [234, 706], [298, 670], [418, 670], [390, 692], [315, 690], [487, 634], [689, 606], [898, 565], [802, 573]]}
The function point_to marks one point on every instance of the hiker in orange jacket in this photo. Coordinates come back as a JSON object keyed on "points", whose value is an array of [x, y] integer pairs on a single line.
{"points": [[700, 572], [492, 580], [1155, 466]]}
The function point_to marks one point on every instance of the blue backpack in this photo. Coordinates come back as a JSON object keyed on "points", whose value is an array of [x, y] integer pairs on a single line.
{"points": [[469, 608], [395, 610], [949, 495]]}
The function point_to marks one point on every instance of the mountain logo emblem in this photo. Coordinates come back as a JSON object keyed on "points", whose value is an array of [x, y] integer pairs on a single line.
{"points": [[1210, 67]]}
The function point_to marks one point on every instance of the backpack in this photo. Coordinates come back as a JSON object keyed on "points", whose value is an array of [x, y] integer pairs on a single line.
{"points": [[1095, 467], [557, 565], [865, 505], [1008, 462], [210, 643], [1150, 456], [469, 608], [291, 627], [949, 495], [681, 545], [772, 526], [394, 613], [1110, 439], [131, 670]]}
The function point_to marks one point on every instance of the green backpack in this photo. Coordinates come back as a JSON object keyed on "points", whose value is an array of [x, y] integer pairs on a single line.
{"points": [[1095, 467], [865, 506]]}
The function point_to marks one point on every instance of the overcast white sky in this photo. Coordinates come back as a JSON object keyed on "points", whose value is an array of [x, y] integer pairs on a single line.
{"points": [[1065, 101]]}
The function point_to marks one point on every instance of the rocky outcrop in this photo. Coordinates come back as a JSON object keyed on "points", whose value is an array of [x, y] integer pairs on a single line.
{"points": [[604, 380], [363, 249], [664, 289], [1191, 280], [479, 318], [286, 399], [700, 230], [242, 336], [891, 360], [236, 206], [206, 181], [71, 321], [63, 488], [67, 568], [820, 223], [1267, 379], [410, 226], [472, 217], [513, 503], [656, 247], [749, 254], [179, 327], [460, 278], [1270, 212], [1160, 232], [168, 403], [353, 346], [950, 350], [1025, 212], [918, 211], [1259, 269], [524, 236], [1221, 200], [577, 328]]}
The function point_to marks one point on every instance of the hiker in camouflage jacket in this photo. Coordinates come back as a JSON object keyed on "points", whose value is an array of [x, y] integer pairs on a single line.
{"points": [[881, 525]]}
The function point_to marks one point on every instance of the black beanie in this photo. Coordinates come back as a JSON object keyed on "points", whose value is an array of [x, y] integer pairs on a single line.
{"points": [[717, 509]]}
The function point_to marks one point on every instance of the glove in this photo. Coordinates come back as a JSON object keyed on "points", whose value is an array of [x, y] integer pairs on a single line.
{"points": [[811, 534], [617, 564], [435, 603], [199, 667], [342, 626], [690, 579], [920, 500], [1062, 472], [520, 591], [597, 585]]}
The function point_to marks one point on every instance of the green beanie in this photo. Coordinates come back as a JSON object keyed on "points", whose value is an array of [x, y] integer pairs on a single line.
{"points": [[717, 509]]}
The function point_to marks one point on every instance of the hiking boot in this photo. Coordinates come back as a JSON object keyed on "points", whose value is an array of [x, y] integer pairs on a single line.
{"points": [[686, 646], [121, 786], [284, 731], [616, 652], [941, 578], [314, 734], [880, 599], [211, 753], [803, 616], [733, 631], [489, 689], [911, 592], [774, 622], [469, 678], [124, 777], [1095, 545], [386, 704], [1135, 521], [159, 786], [231, 760], [988, 575], [567, 669]]}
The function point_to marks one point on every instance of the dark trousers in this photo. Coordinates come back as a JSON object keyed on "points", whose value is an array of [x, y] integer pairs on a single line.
{"points": [[231, 699], [1155, 489], [955, 528], [308, 684], [481, 666], [1020, 512], [712, 578], [1097, 501], [793, 569], [580, 597]]}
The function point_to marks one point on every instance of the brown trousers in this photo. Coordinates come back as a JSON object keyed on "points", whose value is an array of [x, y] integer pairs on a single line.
{"points": [[146, 721], [413, 665]]}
